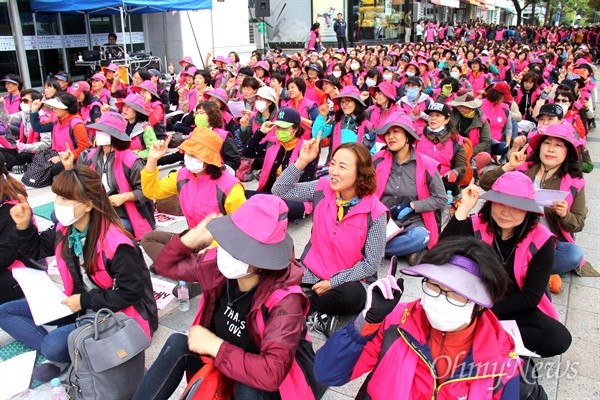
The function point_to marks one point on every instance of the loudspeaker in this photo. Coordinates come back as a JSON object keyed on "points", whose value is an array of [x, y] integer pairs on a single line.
{"points": [[262, 8]]}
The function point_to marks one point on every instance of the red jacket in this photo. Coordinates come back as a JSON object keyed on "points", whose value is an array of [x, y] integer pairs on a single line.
{"points": [[267, 370]]}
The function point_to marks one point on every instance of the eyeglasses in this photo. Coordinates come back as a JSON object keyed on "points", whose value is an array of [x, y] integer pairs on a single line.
{"points": [[433, 290], [562, 100], [26, 101]]}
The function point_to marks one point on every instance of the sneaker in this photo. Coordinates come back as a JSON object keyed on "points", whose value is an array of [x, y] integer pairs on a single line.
{"points": [[323, 323], [17, 169], [586, 270]]}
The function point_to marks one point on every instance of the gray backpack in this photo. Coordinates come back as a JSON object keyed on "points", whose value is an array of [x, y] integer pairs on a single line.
{"points": [[107, 356]]}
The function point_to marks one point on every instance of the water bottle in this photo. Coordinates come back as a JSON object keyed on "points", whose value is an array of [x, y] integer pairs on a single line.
{"points": [[183, 295], [447, 214], [58, 391], [475, 172]]}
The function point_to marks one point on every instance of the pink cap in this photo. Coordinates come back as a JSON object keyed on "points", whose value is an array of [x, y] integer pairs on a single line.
{"points": [[112, 67], [79, 87], [99, 77]]}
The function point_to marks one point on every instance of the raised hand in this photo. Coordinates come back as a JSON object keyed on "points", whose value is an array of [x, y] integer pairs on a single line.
{"points": [[382, 297], [470, 196], [516, 159], [67, 158], [266, 127], [21, 213], [309, 151], [324, 109], [36, 105], [159, 149]]}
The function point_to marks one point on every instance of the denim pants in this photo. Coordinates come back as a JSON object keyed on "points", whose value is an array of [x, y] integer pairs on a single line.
{"points": [[174, 360], [499, 149], [567, 257], [416, 239], [16, 320]]}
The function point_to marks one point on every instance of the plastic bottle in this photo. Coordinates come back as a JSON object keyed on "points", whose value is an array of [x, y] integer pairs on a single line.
{"points": [[447, 214], [58, 391], [183, 295], [475, 172]]}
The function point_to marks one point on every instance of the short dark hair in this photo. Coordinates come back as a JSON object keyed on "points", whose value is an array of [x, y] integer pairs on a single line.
{"points": [[205, 75], [214, 115], [300, 84], [112, 35], [251, 82], [279, 77], [366, 182], [35, 95], [53, 83], [491, 271], [16, 78], [143, 73], [493, 95], [119, 144], [70, 101]]}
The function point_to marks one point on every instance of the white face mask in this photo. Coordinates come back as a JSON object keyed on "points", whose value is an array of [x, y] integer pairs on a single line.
{"points": [[25, 107], [102, 138], [354, 66], [370, 82], [231, 267], [444, 316], [454, 75], [388, 77], [337, 74], [565, 107], [260, 105], [409, 74], [194, 165], [66, 214]]}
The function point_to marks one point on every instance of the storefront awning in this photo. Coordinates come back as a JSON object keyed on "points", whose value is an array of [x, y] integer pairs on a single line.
{"points": [[475, 3], [450, 3]]}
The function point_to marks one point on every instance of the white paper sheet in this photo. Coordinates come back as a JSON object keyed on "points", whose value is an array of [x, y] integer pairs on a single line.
{"points": [[163, 220], [511, 327], [546, 197], [236, 107], [16, 374], [43, 296], [392, 230], [162, 292]]}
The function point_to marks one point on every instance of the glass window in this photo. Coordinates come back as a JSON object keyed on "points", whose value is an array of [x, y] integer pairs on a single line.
{"points": [[101, 24], [73, 24], [137, 23], [8, 65], [47, 23], [378, 19], [4, 21], [51, 61]]}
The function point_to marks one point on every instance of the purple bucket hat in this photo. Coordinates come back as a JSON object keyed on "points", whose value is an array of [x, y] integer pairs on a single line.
{"points": [[514, 189], [386, 88], [351, 92], [460, 274], [401, 120], [186, 59], [256, 233], [219, 94], [560, 131], [146, 85], [134, 101]]}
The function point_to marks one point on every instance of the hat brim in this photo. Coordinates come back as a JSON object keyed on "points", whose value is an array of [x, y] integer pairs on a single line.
{"points": [[455, 278], [336, 99], [9, 81], [513, 201], [216, 96], [535, 141], [382, 130], [275, 256], [111, 131], [471, 104], [385, 91], [447, 115], [283, 124], [136, 107], [137, 89], [201, 152], [54, 103]]}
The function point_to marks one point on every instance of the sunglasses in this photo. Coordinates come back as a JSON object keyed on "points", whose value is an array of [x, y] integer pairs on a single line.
{"points": [[26, 101], [566, 101]]}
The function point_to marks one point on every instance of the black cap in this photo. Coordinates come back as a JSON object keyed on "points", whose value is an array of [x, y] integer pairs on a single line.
{"points": [[246, 71], [440, 108], [552, 110], [568, 83], [287, 116], [416, 80]]}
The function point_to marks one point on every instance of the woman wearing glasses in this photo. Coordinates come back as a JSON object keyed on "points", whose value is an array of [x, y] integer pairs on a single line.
{"points": [[427, 348]]}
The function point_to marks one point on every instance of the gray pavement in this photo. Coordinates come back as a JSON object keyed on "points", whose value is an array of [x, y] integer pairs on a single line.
{"points": [[573, 375]]}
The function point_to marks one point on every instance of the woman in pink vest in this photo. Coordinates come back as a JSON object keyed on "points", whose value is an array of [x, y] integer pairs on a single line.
{"points": [[426, 349], [10, 189], [478, 77], [202, 84], [415, 101], [497, 112], [279, 144], [555, 164], [68, 128], [13, 84], [91, 106], [307, 108], [139, 130], [441, 141], [266, 110], [99, 263], [409, 184], [153, 106], [209, 115], [119, 168], [203, 185], [30, 142], [510, 222], [385, 103], [99, 88], [348, 235], [250, 319]]}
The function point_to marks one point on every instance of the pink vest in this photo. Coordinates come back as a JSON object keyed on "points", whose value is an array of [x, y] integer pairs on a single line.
{"points": [[104, 96], [443, 153], [13, 106], [200, 195], [86, 110], [497, 116], [126, 158], [106, 249], [304, 109], [523, 255], [499, 35], [32, 138], [137, 140], [420, 122], [336, 246], [502, 71], [475, 133], [425, 166], [573, 186], [378, 114], [336, 137], [61, 134], [270, 157], [477, 83]]}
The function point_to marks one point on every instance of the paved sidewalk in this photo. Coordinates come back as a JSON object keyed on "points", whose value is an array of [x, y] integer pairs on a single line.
{"points": [[574, 375]]}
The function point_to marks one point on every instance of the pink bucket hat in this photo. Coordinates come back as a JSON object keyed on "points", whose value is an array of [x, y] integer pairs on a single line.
{"points": [[398, 119], [219, 94], [264, 65], [146, 85], [351, 92], [514, 189], [134, 101], [190, 71], [256, 233], [79, 87], [99, 77], [461, 274], [386, 88], [112, 67], [112, 123], [560, 131], [186, 59]]}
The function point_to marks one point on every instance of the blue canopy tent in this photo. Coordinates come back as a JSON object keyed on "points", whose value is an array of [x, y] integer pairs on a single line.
{"points": [[123, 7]]}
